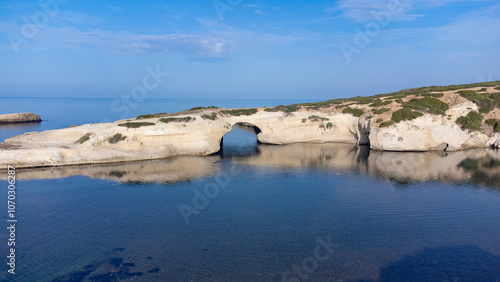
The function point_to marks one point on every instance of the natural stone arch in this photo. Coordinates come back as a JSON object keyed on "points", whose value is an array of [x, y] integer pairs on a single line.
{"points": [[245, 126], [248, 125]]}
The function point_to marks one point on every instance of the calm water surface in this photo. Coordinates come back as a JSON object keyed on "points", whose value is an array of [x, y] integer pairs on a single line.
{"points": [[261, 213]]}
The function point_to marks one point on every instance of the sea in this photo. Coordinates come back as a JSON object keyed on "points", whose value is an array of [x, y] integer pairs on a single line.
{"points": [[253, 212]]}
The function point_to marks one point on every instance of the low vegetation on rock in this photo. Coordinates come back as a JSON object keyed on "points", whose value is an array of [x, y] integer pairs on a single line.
{"points": [[84, 138], [213, 116], [116, 138], [203, 108], [177, 120], [379, 103], [281, 108], [240, 112], [496, 99], [386, 123], [136, 124], [428, 104], [482, 100], [495, 123], [353, 111], [380, 111], [405, 114], [472, 121], [151, 116], [317, 118]]}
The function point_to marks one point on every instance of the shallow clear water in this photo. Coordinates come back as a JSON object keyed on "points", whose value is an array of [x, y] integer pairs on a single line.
{"points": [[301, 212]]}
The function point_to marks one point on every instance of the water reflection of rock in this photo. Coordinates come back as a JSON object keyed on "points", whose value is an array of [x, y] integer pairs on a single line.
{"points": [[434, 166], [171, 170], [329, 155], [481, 166]]}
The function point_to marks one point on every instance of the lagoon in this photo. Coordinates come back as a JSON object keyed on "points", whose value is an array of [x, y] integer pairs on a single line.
{"points": [[259, 213]]}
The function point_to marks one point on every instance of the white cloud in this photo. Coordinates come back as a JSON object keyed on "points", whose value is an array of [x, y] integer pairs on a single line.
{"points": [[214, 42], [243, 38], [259, 12], [363, 10], [196, 47]]}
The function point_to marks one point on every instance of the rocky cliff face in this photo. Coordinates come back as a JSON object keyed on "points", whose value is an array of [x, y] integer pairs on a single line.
{"points": [[21, 117], [429, 133], [192, 135], [413, 122]]}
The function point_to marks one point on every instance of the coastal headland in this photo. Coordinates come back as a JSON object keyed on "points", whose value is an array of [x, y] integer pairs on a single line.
{"points": [[436, 118]]}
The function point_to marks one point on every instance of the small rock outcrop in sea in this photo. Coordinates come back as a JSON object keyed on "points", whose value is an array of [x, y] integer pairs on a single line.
{"points": [[18, 118], [437, 118]]}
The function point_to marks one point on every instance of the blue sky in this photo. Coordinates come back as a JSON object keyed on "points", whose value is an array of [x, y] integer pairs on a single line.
{"points": [[307, 50]]}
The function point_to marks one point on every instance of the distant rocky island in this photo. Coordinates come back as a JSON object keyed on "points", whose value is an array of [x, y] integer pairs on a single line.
{"points": [[436, 118], [19, 118]]}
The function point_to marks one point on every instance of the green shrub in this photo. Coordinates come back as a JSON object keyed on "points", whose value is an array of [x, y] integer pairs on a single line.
{"points": [[151, 116], [145, 116], [213, 116], [435, 95], [369, 117], [240, 112], [304, 120], [317, 105], [177, 120], [203, 108], [481, 100], [329, 125], [116, 138], [405, 114], [482, 90], [317, 118], [83, 139], [354, 112], [379, 120], [286, 109], [495, 97], [380, 111], [472, 121], [136, 124], [495, 123], [429, 104], [386, 124], [497, 88], [377, 103], [427, 91]]}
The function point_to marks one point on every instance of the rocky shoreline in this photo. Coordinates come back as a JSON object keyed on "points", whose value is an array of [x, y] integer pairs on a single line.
{"points": [[431, 119]]}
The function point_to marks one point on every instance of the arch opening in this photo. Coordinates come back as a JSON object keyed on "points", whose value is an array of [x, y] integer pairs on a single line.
{"points": [[241, 141]]}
